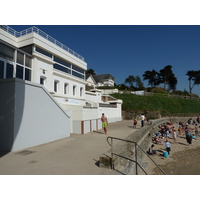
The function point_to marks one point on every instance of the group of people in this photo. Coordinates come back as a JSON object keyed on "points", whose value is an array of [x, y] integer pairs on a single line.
{"points": [[167, 130]]}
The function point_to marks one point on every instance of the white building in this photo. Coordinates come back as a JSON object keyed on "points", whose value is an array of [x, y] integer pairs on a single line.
{"points": [[43, 81], [100, 80]]}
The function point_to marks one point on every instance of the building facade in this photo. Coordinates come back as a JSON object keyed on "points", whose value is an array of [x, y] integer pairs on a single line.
{"points": [[32, 57]]}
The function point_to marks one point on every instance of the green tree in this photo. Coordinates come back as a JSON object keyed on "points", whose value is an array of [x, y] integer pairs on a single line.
{"points": [[130, 80], [90, 71], [152, 77], [194, 79], [139, 83], [168, 78]]}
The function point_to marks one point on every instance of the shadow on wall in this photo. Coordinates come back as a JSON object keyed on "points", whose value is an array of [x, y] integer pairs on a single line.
{"points": [[8, 112]]}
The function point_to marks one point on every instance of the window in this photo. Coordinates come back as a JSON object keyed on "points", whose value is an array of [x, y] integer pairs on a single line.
{"points": [[65, 63], [43, 52], [74, 90], [66, 88], [19, 72], [9, 71], [42, 80], [77, 74], [1, 69], [20, 58], [56, 86], [27, 74], [6, 52], [61, 68], [77, 69], [81, 91], [28, 61]]}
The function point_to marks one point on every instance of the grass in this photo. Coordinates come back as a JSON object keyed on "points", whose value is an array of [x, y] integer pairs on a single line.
{"points": [[165, 105]]}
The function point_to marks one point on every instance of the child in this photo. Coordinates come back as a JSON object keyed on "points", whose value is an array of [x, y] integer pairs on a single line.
{"points": [[167, 145], [134, 123]]}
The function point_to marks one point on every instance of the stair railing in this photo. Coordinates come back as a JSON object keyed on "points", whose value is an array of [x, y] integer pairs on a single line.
{"points": [[136, 156]]}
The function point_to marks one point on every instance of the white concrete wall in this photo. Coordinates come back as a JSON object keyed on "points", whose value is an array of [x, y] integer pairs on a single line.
{"points": [[37, 117]]}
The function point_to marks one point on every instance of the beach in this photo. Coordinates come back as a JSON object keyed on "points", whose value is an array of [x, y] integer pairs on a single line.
{"points": [[183, 159]]}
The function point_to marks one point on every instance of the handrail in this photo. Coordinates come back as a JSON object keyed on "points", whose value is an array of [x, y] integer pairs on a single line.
{"points": [[42, 34], [136, 145]]}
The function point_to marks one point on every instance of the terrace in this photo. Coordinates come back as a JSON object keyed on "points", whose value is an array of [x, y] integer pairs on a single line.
{"points": [[42, 34]]}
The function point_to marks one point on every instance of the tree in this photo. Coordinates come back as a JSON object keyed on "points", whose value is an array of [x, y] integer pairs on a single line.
{"points": [[194, 79], [152, 77], [167, 77], [130, 80], [139, 83], [90, 71]]}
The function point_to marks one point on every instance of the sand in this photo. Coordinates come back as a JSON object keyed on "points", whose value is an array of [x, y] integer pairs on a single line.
{"points": [[183, 159]]}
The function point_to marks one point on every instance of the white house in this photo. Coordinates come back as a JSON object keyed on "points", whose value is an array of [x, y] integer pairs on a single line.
{"points": [[100, 80], [45, 83]]}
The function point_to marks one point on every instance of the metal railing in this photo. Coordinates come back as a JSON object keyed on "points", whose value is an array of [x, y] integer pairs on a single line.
{"points": [[42, 34], [136, 156]]}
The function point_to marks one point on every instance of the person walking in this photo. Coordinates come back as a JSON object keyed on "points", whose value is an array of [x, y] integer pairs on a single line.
{"points": [[142, 120], [104, 123]]}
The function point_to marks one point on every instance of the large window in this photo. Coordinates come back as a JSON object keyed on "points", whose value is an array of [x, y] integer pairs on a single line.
{"points": [[6, 52], [68, 68], [12, 66], [43, 52], [62, 68], [1, 69]]}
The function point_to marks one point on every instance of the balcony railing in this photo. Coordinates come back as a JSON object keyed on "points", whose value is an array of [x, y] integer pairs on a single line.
{"points": [[42, 34]]}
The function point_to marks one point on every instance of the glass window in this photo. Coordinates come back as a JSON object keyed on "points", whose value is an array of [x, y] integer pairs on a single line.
{"points": [[66, 88], [43, 52], [62, 62], [19, 72], [20, 58], [81, 91], [78, 69], [55, 86], [27, 74], [77, 75], [42, 80], [28, 61], [61, 68], [1, 69], [6, 52], [9, 71], [74, 90]]}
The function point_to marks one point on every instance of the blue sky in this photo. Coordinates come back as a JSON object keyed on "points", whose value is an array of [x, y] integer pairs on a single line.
{"points": [[124, 50]]}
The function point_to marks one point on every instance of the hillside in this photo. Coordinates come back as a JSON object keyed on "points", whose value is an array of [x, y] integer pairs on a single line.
{"points": [[165, 105]]}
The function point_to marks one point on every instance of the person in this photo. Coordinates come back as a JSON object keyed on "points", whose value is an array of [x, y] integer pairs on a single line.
{"points": [[142, 120], [151, 150], [174, 135], [104, 123], [189, 138], [196, 130], [167, 145], [134, 123]]}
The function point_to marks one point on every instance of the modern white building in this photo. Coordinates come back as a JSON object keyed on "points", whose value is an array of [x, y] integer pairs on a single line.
{"points": [[42, 84]]}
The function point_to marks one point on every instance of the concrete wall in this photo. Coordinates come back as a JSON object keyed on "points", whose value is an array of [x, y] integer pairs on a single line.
{"points": [[29, 116]]}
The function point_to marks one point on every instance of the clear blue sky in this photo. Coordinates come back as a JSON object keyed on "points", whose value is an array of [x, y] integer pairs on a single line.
{"points": [[124, 50]]}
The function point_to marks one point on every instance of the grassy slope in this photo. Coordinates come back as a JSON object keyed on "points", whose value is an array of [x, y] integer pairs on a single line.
{"points": [[166, 105]]}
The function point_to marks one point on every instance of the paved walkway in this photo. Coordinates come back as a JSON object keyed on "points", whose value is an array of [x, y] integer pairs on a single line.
{"points": [[75, 155]]}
